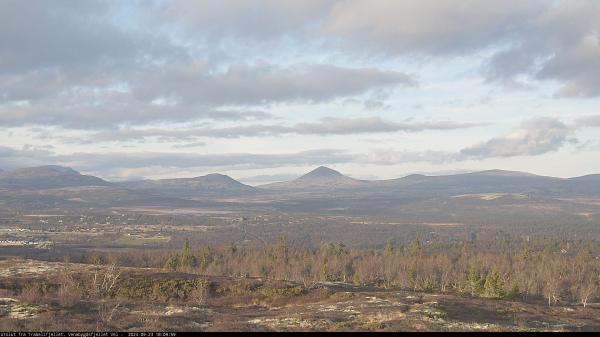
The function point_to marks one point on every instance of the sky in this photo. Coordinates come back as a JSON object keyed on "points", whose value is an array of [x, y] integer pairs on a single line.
{"points": [[266, 90]]}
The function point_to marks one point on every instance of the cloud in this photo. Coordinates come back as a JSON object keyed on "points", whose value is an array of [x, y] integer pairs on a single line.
{"points": [[61, 63], [255, 20], [540, 40], [101, 162], [388, 26], [190, 92], [243, 84], [433, 27], [534, 137], [396, 157], [96, 161], [43, 35], [559, 44], [324, 127], [52, 47], [94, 65], [267, 178], [342, 126], [589, 121], [189, 145], [204, 68], [26, 156]]}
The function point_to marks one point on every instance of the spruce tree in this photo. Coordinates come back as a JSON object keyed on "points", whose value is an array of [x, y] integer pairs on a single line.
{"points": [[493, 287], [414, 248], [475, 281], [187, 260]]}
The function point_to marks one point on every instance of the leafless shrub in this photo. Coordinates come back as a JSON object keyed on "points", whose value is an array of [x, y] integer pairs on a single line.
{"points": [[106, 312], [30, 294], [104, 281], [200, 293], [586, 290], [69, 291]]}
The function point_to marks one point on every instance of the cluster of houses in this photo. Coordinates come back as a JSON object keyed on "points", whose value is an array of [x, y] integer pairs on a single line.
{"points": [[24, 243]]}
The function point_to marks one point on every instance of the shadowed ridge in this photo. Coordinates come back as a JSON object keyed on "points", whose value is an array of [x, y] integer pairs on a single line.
{"points": [[210, 183], [49, 176]]}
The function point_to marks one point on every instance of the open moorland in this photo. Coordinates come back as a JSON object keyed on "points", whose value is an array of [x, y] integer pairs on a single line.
{"points": [[70, 296]]}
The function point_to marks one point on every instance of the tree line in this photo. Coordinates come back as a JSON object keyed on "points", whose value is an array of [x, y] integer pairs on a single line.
{"points": [[553, 270]]}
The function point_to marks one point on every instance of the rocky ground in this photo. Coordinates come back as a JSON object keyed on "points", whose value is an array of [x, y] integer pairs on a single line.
{"points": [[255, 305]]}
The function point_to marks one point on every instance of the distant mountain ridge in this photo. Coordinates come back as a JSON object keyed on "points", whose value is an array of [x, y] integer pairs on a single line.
{"points": [[214, 183], [49, 176], [320, 178], [54, 186], [321, 181], [475, 182], [475, 197]]}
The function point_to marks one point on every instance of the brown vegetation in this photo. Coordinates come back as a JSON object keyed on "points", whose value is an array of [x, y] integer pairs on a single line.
{"points": [[493, 269], [500, 284]]}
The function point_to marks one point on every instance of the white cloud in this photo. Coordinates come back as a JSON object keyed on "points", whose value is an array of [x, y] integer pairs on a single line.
{"points": [[324, 127], [534, 137]]}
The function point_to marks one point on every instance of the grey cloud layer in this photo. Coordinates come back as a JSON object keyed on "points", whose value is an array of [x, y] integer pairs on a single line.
{"points": [[195, 92], [373, 124], [51, 35], [544, 40], [96, 64], [562, 44], [81, 66], [430, 26], [326, 126], [533, 137], [98, 162], [588, 121], [395, 27], [261, 84], [256, 20]]}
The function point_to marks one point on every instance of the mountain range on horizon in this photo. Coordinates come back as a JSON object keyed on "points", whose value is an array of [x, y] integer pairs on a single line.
{"points": [[320, 190], [320, 177], [48, 176]]}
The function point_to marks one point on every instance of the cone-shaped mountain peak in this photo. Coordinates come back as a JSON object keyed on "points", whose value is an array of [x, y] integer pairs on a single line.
{"points": [[322, 172]]}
